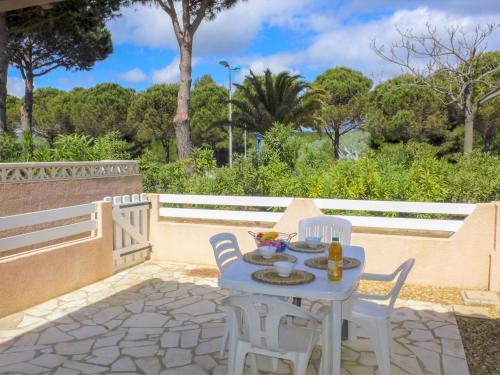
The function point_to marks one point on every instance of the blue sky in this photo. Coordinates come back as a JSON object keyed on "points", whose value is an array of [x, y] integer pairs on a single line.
{"points": [[303, 36]]}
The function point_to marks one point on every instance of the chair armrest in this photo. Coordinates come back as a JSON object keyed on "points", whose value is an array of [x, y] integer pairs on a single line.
{"points": [[377, 277]]}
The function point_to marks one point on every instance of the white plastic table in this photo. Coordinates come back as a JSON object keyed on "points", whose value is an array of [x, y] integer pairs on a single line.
{"points": [[238, 277]]}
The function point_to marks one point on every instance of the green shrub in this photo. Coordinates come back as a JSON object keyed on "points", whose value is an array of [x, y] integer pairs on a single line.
{"points": [[203, 160], [110, 146], [475, 178], [10, 149]]}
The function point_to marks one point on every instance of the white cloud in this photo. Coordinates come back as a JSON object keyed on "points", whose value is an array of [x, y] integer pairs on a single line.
{"points": [[276, 63], [462, 7], [168, 74], [134, 76], [230, 33], [15, 86], [349, 45], [144, 25]]}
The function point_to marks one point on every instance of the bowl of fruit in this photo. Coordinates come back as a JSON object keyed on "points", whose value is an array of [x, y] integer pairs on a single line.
{"points": [[276, 239]]}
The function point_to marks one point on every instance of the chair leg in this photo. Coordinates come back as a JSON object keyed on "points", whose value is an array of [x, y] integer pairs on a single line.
{"points": [[325, 348], [382, 343], [254, 370], [300, 366], [239, 363], [274, 364], [389, 334], [223, 345]]}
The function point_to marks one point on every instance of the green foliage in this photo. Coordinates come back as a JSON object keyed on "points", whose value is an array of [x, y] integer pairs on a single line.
{"points": [[77, 147], [101, 109], [488, 126], [110, 147], [10, 149], [151, 114], [13, 112], [342, 84], [400, 112], [208, 112], [477, 178], [51, 113], [401, 172], [70, 34], [282, 98], [280, 145], [73, 147], [205, 79], [342, 111], [203, 160]]}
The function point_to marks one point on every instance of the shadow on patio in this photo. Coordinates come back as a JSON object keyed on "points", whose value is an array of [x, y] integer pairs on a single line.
{"points": [[167, 318]]}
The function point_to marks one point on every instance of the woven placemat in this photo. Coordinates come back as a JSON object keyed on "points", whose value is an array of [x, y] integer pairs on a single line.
{"points": [[255, 258], [322, 263], [271, 276], [302, 247]]}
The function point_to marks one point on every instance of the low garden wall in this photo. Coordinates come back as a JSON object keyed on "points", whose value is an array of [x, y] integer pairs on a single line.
{"points": [[467, 258], [36, 276], [28, 187]]}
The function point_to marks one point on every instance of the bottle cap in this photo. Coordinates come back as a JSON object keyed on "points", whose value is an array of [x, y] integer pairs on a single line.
{"points": [[335, 239]]}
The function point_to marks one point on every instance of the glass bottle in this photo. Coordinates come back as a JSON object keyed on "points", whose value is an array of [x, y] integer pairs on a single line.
{"points": [[335, 260]]}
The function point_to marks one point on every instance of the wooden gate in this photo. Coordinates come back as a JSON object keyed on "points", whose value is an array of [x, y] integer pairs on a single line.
{"points": [[130, 229]]}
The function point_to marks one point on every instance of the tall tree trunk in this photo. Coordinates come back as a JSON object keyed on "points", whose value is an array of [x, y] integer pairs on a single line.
{"points": [[182, 132], [4, 66], [336, 143], [27, 116], [469, 114]]}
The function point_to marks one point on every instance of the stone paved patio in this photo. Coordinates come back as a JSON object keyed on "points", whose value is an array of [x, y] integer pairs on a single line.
{"points": [[160, 319]]}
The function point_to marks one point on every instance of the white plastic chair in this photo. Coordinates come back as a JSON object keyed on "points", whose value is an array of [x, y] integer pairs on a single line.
{"points": [[264, 332], [372, 318], [226, 251], [326, 227]]}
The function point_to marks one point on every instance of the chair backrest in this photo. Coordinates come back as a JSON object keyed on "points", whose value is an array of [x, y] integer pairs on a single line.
{"points": [[326, 227], [226, 249], [402, 273], [262, 316]]}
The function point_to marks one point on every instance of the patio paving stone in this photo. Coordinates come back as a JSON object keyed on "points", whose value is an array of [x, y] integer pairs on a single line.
{"points": [[155, 319]]}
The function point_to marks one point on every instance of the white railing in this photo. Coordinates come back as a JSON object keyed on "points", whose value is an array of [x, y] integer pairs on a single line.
{"points": [[130, 229], [32, 172], [249, 213], [49, 234]]}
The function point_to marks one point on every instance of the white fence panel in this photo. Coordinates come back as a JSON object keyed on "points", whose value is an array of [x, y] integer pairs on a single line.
{"points": [[40, 217], [404, 223], [45, 235], [225, 200], [454, 209], [130, 229], [50, 234], [389, 206], [227, 215]]}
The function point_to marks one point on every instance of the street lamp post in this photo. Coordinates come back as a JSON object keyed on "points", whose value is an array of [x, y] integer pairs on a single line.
{"points": [[230, 69]]}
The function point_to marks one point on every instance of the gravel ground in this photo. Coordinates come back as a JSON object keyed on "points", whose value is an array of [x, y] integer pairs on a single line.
{"points": [[444, 296], [481, 340]]}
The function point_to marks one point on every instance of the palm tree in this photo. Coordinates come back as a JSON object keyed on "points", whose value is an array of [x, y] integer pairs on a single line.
{"points": [[267, 99]]}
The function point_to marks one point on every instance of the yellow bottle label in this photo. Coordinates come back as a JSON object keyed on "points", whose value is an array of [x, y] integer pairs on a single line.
{"points": [[334, 270]]}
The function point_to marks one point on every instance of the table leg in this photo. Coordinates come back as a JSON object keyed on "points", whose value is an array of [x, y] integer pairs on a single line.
{"points": [[336, 337]]}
